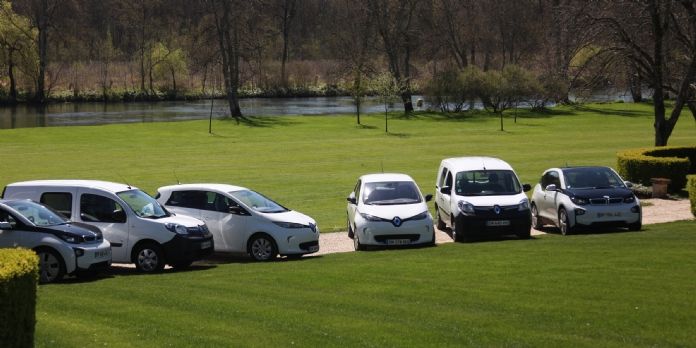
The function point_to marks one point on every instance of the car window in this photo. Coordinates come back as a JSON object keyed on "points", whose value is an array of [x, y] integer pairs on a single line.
{"points": [[258, 202], [38, 214], [7, 217], [143, 204], [96, 208], [443, 175], [391, 192], [356, 190], [549, 178], [487, 183], [219, 203], [188, 199], [59, 201], [448, 181], [591, 178]]}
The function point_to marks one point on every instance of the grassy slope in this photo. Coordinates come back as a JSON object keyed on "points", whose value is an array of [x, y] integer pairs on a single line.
{"points": [[616, 289], [311, 163]]}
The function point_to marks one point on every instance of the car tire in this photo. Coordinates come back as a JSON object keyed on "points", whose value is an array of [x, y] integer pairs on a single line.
{"points": [[356, 243], [440, 224], [148, 258], [536, 219], [433, 243], [635, 226], [261, 247], [351, 233], [51, 265], [564, 222]]}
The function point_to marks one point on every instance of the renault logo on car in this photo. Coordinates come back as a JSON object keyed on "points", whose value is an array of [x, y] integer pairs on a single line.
{"points": [[396, 221], [496, 209]]}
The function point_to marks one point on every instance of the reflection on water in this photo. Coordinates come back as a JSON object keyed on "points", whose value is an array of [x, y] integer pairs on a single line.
{"points": [[77, 114]]}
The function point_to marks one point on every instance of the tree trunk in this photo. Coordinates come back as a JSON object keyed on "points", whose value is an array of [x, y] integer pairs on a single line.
{"points": [[13, 83], [408, 103], [42, 26], [173, 80]]}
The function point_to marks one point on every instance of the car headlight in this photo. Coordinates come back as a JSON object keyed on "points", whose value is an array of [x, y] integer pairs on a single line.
{"points": [[465, 207], [420, 216], [524, 205], [579, 200], [176, 228], [369, 217], [284, 224], [69, 238]]}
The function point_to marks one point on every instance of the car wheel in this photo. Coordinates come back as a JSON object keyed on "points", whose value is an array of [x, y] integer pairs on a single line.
{"points": [[356, 243], [433, 243], [351, 233], [457, 233], [149, 258], [51, 267], [635, 226], [536, 219], [262, 248], [440, 224], [563, 222]]}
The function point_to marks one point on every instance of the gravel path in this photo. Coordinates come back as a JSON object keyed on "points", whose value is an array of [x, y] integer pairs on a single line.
{"points": [[657, 211]]}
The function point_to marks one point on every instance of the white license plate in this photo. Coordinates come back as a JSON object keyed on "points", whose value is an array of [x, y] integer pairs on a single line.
{"points": [[610, 214], [498, 223], [101, 254], [313, 248], [398, 241], [207, 244]]}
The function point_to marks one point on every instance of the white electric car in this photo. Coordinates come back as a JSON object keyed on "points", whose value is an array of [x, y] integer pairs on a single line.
{"points": [[481, 196], [63, 247], [388, 209], [576, 197], [244, 221]]}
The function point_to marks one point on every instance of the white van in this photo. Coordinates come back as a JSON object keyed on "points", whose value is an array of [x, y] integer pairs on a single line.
{"points": [[244, 221], [481, 195], [140, 230]]}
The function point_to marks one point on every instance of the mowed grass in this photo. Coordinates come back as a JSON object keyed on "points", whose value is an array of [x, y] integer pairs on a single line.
{"points": [[606, 289], [311, 163]]}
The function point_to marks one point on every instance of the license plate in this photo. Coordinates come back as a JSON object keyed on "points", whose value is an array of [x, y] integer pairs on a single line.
{"points": [[101, 254], [207, 244], [614, 214], [498, 223], [313, 248], [398, 241]]}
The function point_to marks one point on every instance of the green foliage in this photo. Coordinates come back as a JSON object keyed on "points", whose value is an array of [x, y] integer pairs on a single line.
{"points": [[19, 273], [168, 63], [691, 187], [607, 289], [673, 162], [445, 90], [18, 41]]}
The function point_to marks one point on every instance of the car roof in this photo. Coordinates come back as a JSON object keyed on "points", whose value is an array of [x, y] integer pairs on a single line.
{"points": [[457, 164], [381, 177], [203, 186], [96, 184]]}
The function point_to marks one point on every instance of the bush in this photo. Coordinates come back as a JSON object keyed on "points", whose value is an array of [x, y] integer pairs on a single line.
{"points": [[691, 187], [674, 163], [19, 273]]}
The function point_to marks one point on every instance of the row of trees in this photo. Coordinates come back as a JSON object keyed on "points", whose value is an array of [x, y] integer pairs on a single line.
{"points": [[143, 45]]}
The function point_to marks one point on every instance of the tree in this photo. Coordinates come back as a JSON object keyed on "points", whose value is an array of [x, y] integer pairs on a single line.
{"points": [[17, 47], [168, 62], [388, 91], [284, 11]]}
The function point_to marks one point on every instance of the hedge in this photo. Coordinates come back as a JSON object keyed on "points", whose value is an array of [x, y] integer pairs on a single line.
{"points": [[672, 162], [19, 274], [691, 186]]}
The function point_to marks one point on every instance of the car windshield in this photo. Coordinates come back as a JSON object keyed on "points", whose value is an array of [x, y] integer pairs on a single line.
{"points": [[487, 183], [38, 214], [142, 204], [391, 192], [258, 202], [591, 178]]}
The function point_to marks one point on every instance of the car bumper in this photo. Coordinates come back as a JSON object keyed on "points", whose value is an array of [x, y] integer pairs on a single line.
{"points": [[298, 242], [188, 249], [607, 215], [495, 224], [92, 257], [385, 233]]}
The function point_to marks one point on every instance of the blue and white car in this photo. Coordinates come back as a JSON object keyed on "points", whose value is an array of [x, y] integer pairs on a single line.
{"points": [[584, 197], [63, 247], [388, 209]]}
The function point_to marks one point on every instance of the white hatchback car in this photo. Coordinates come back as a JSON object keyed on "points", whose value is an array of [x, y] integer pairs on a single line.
{"points": [[576, 197], [63, 247], [244, 221], [388, 209]]}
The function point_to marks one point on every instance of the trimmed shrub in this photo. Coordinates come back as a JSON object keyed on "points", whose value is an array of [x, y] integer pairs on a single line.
{"points": [[674, 163], [691, 187], [19, 274]]}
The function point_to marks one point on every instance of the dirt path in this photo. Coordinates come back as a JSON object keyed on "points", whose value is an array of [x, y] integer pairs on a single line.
{"points": [[656, 211]]}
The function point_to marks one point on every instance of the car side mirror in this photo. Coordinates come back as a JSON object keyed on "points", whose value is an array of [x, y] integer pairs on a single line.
{"points": [[551, 187], [428, 197], [351, 198], [237, 210], [118, 216], [445, 190], [526, 187], [4, 225], [628, 184]]}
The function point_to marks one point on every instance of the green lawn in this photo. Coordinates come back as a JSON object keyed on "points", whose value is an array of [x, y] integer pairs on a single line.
{"points": [[607, 289], [311, 163]]}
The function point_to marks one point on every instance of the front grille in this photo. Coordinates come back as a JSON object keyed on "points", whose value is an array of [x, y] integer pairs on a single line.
{"points": [[202, 229], [605, 201], [382, 238], [307, 245]]}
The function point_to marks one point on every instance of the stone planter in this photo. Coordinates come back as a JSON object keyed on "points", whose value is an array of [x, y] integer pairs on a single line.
{"points": [[659, 187]]}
